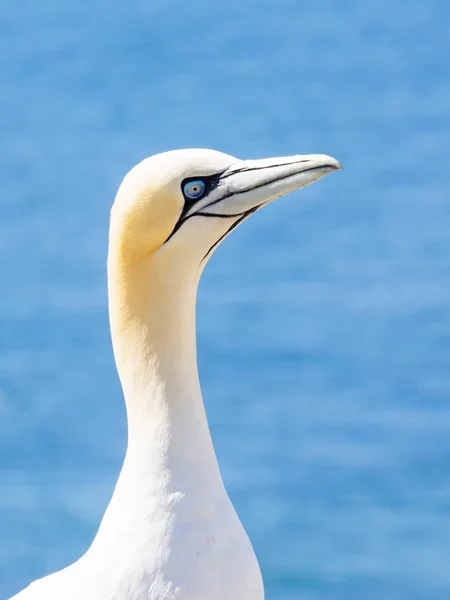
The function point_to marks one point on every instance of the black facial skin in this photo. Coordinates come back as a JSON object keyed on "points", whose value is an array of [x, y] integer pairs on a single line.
{"points": [[211, 182]]}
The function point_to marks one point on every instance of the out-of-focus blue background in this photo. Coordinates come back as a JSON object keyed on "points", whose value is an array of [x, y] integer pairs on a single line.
{"points": [[324, 321]]}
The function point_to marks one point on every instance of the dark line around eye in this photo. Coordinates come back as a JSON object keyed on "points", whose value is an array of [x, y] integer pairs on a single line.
{"points": [[210, 181]]}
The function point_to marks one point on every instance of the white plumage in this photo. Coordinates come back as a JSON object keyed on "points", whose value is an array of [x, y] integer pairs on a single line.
{"points": [[170, 530]]}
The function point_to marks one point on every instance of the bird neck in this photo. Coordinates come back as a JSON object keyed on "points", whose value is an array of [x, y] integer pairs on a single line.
{"points": [[152, 305]]}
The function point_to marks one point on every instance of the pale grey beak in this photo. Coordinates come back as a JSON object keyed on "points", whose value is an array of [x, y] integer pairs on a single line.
{"points": [[249, 184]]}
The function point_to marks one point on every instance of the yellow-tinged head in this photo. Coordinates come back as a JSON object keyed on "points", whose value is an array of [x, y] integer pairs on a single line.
{"points": [[186, 201], [171, 212]]}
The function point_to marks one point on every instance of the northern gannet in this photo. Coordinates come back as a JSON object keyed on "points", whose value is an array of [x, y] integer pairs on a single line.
{"points": [[170, 530]]}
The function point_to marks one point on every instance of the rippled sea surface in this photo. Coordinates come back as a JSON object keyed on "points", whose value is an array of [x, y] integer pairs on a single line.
{"points": [[324, 321]]}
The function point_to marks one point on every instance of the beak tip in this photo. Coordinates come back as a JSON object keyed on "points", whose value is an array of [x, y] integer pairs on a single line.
{"points": [[325, 161], [335, 164]]}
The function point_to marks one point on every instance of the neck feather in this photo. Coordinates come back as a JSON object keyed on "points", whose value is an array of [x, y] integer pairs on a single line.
{"points": [[152, 302]]}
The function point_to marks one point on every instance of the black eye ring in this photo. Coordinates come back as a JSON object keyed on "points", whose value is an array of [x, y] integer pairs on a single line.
{"points": [[193, 190]]}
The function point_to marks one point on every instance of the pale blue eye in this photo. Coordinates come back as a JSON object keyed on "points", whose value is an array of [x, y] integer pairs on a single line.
{"points": [[194, 189]]}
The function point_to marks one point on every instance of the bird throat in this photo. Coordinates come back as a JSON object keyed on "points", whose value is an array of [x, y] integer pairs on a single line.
{"points": [[152, 313]]}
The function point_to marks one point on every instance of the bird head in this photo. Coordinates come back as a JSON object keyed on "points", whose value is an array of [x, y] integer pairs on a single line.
{"points": [[183, 203]]}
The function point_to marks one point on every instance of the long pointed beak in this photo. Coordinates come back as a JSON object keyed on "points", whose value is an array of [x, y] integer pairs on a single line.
{"points": [[248, 185]]}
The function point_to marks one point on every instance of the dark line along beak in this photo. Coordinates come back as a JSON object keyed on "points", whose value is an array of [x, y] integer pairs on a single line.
{"points": [[247, 185], [251, 184]]}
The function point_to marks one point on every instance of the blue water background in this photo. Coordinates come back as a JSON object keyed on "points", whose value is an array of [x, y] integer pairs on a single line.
{"points": [[324, 321]]}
